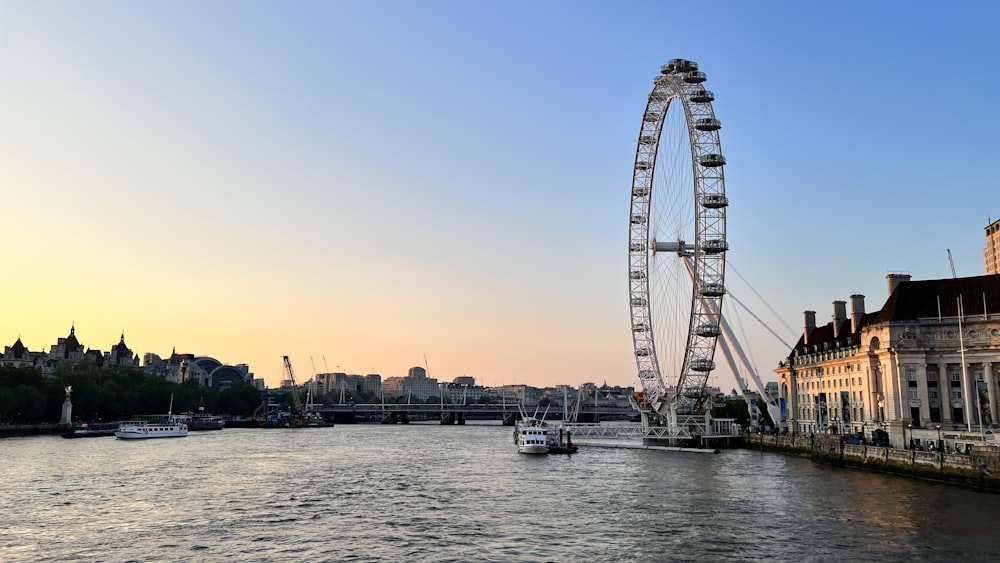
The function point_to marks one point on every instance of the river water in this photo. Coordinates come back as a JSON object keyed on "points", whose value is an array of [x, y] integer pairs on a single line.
{"points": [[423, 492]]}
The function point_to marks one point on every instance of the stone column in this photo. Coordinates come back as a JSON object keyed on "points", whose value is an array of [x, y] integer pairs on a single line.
{"points": [[944, 382], [991, 388]]}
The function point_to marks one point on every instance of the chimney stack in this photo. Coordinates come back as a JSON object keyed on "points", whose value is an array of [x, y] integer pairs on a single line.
{"points": [[839, 316], [810, 318], [857, 311], [895, 279]]}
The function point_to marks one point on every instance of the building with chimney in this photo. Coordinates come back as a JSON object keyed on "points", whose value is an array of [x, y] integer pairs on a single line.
{"points": [[924, 367]]}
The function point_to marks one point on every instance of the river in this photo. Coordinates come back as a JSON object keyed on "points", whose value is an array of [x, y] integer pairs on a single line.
{"points": [[423, 492]]}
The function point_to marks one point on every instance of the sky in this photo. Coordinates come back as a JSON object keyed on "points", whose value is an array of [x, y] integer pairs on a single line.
{"points": [[368, 186]]}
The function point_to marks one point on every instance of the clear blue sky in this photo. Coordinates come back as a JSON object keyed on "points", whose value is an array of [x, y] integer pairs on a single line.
{"points": [[369, 182]]}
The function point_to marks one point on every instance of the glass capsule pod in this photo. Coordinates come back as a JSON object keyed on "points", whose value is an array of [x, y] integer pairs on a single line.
{"points": [[708, 330], [702, 96], [703, 364], [711, 160], [696, 77], [707, 124], [715, 246], [713, 290], [714, 201]]}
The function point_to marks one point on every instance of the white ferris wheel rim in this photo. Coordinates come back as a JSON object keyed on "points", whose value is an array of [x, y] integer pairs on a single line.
{"points": [[690, 225]]}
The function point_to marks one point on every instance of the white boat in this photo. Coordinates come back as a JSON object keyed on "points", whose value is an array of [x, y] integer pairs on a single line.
{"points": [[144, 429], [531, 436], [141, 429]]}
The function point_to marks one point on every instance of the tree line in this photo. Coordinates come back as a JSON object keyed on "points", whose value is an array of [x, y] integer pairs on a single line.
{"points": [[110, 393]]}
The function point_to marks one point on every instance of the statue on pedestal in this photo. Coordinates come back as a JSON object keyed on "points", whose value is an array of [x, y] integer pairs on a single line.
{"points": [[67, 409]]}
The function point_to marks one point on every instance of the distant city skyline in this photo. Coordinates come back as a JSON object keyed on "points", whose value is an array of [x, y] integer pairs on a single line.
{"points": [[376, 182]]}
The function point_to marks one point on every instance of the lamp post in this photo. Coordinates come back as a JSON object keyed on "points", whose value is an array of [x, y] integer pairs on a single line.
{"points": [[940, 446], [908, 445]]}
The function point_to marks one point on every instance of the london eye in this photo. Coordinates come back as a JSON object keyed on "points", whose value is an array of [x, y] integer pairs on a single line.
{"points": [[677, 248]]}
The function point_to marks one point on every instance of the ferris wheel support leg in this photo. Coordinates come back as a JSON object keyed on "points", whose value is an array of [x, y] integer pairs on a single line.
{"points": [[730, 344]]}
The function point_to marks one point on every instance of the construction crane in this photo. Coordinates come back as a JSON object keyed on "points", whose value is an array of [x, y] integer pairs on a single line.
{"points": [[297, 404], [952, 262]]}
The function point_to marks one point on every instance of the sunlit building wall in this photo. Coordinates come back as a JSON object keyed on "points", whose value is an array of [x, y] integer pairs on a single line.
{"points": [[900, 369]]}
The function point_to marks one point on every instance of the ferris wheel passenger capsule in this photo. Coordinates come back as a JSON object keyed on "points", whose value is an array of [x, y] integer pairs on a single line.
{"points": [[714, 201], [702, 96], [696, 77], [707, 124], [708, 330], [711, 160], [715, 246], [713, 290], [703, 364]]}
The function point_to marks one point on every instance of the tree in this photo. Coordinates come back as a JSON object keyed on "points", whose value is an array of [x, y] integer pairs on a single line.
{"points": [[31, 403], [240, 399]]}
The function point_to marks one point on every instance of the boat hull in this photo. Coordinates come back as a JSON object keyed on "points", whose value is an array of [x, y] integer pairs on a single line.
{"points": [[88, 434]]}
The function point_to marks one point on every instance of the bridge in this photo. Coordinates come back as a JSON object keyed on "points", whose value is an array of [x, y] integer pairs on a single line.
{"points": [[396, 413]]}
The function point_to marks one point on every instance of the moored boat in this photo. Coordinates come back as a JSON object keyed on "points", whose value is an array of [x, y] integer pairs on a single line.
{"points": [[87, 431], [140, 429], [144, 429], [200, 420], [533, 436]]}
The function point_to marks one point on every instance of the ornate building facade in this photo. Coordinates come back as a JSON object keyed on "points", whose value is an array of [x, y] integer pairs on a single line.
{"points": [[66, 352], [177, 368], [924, 368]]}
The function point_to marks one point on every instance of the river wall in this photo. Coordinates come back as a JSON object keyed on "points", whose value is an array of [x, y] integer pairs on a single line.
{"points": [[11, 430], [979, 469]]}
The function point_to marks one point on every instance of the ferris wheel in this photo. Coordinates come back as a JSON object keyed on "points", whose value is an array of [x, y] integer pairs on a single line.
{"points": [[677, 243]]}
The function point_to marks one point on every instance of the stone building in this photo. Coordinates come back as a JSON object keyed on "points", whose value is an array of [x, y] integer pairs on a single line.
{"points": [[416, 384], [334, 383], [67, 352], [991, 254], [925, 367], [120, 355], [206, 370], [18, 355]]}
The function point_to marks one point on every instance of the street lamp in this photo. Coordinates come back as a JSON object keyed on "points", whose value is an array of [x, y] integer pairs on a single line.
{"points": [[940, 445], [908, 445]]}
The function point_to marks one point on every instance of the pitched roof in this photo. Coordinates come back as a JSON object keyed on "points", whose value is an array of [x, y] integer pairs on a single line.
{"points": [[913, 300]]}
